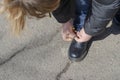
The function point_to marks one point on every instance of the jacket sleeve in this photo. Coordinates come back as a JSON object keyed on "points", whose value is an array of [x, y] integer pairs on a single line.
{"points": [[101, 14]]}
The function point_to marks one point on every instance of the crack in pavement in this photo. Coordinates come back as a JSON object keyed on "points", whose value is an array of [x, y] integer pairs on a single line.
{"points": [[65, 69], [14, 54]]}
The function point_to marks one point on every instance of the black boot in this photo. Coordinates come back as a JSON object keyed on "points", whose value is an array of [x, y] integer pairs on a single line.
{"points": [[116, 24], [116, 19], [77, 50]]}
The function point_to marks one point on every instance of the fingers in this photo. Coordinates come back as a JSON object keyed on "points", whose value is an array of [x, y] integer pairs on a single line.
{"points": [[72, 35], [68, 37], [78, 38], [67, 32], [82, 36]]}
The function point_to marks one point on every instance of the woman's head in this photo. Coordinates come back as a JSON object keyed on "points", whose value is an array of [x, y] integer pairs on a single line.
{"points": [[18, 9], [39, 8]]}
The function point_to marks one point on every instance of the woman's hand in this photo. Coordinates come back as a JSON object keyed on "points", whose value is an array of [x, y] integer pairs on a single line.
{"points": [[67, 31], [82, 36]]}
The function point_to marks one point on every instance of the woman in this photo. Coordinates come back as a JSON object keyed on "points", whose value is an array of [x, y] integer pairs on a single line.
{"points": [[102, 12], [63, 10]]}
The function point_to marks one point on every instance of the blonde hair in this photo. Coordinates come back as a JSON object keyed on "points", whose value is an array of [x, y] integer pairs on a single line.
{"points": [[17, 10]]}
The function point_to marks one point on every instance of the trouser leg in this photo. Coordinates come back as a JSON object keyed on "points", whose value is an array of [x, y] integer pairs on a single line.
{"points": [[102, 12], [65, 11]]}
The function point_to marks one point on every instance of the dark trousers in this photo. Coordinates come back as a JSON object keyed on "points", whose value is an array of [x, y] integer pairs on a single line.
{"points": [[65, 11], [100, 16], [103, 11]]}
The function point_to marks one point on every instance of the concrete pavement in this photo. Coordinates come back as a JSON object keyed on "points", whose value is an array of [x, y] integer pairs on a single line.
{"points": [[41, 54]]}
